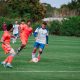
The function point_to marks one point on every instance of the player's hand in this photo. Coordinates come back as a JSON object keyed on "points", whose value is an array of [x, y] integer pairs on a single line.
{"points": [[46, 44], [0, 41], [35, 38]]}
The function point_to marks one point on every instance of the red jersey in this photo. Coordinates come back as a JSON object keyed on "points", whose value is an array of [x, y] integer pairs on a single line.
{"points": [[6, 37], [25, 32]]}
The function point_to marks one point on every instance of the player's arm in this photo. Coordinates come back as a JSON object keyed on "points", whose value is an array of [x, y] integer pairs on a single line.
{"points": [[31, 32], [4, 36], [36, 32], [19, 30], [2, 41], [47, 38]]}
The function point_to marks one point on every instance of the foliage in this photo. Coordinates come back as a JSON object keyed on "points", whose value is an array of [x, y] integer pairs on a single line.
{"points": [[22, 8], [55, 27], [71, 26], [67, 27]]}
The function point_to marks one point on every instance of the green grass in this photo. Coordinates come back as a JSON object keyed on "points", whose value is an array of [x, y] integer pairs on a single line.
{"points": [[61, 56]]}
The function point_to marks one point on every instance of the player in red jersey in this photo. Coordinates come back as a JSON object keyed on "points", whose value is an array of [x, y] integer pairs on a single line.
{"points": [[7, 47], [25, 30]]}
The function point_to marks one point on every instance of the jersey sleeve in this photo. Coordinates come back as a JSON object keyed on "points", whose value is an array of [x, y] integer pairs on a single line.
{"points": [[13, 26], [36, 32]]}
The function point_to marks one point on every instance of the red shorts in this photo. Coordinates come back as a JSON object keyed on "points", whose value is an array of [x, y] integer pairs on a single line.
{"points": [[6, 48], [24, 39]]}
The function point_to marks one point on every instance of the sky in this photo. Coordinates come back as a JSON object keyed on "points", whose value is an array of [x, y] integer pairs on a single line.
{"points": [[56, 3]]}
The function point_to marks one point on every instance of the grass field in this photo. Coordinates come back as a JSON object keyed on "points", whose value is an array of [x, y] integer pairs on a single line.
{"points": [[60, 61]]}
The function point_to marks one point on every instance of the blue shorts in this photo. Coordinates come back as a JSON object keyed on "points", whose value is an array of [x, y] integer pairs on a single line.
{"points": [[39, 45]]}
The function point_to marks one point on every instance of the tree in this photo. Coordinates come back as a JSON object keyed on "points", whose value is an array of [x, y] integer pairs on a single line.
{"points": [[22, 8]]}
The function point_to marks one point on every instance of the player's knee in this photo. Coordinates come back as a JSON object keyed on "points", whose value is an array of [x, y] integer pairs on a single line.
{"points": [[34, 51], [12, 52], [40, 51]]}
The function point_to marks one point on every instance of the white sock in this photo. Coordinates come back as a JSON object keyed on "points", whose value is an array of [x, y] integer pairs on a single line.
{"points": [[13, 40], [8, 63], [33, 55], [4, 62]]}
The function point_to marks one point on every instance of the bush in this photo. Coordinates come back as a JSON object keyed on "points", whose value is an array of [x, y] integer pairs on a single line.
{"points": [[3, 19], [71, 27], [67, 27], [55, 27]]}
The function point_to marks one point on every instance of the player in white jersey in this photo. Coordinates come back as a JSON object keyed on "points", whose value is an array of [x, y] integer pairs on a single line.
{"points": [[15, 31], [41, 36]]}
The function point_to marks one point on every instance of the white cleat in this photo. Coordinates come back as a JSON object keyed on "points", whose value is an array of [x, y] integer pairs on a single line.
{"points": [[4, 64], [9, 66]]}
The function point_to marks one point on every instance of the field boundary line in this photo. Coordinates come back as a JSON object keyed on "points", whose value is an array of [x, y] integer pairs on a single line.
{"points": [[39, 71]]}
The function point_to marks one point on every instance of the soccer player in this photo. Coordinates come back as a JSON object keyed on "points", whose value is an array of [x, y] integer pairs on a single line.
{"points": [[41, 36], [25, 30], [7, 47], [15, 31]]}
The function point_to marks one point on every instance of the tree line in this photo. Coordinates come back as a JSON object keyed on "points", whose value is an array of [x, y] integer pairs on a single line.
{"points": [[32, 9], [66, 10]]}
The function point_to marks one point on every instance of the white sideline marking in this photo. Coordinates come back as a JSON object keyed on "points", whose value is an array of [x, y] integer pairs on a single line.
{"points": [[39, 71]]}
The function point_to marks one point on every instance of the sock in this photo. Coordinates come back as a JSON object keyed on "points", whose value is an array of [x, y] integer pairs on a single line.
{"points": [[20, 48], [33, 55], [39, 57], [10, 59], [8, 63]]}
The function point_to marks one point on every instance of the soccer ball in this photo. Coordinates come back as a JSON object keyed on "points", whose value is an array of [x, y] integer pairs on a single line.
{"points": [[35, 60]]}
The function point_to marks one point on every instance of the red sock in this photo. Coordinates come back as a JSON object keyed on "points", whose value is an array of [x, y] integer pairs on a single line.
{"points": [[10, 59], [39, 58]]}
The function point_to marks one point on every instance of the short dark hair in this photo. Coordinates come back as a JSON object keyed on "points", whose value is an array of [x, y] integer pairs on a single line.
{"points": [[44, 23], [29, 21], [9, 27], [22, 20]]}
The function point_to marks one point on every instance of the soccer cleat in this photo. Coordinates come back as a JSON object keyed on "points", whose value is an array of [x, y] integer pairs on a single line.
{"points": [[4, 64], [8, 65], [31, 61], [18, 50]]}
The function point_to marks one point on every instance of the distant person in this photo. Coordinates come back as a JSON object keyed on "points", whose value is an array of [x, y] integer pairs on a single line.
{"points": [[41, 39], [25, 30], [4, 26], [15, 31]]}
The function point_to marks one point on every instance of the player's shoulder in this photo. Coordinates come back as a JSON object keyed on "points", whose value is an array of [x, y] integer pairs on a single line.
{"points": [[6, 33], [38, 27], [31, 28]]}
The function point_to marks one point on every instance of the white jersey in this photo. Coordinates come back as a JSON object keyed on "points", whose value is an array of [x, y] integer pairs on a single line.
{"points": [[41, 35], [15, 28]]}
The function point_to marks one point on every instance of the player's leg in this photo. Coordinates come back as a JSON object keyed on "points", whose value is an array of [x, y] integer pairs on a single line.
{"points": [[7, 48], [24, 42], [10, 58], [34, 53], [13, 39], [41, 47], [16, 36], [36, 46]]}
